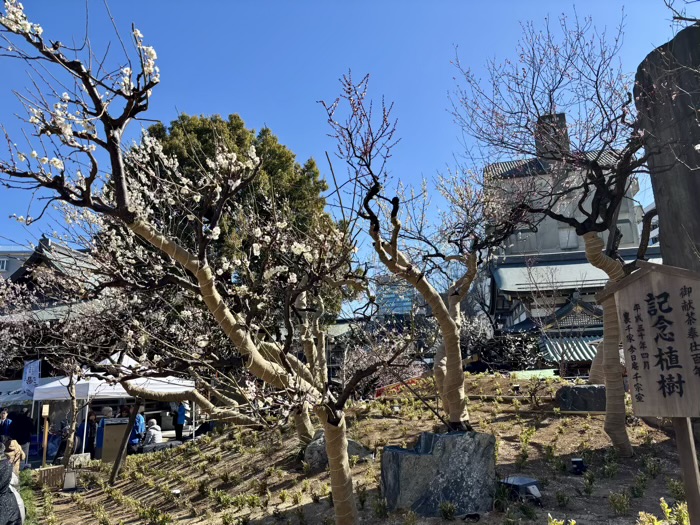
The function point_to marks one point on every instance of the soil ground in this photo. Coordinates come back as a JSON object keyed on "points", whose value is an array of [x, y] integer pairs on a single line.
{"points": [[239, 477]]}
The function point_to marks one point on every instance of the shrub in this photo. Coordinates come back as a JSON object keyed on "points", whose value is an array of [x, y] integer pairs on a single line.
{"points": [[562, 499], [652, 466], [448, 510], [381, 510], [620, 502], [676, 489]]}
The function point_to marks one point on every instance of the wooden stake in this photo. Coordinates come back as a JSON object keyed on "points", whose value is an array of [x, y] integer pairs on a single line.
{"points": [[46, 440], [689, 465]]}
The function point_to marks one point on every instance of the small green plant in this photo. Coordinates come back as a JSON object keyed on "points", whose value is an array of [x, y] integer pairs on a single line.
{"points": [[620, 502], [676, 515], [354, 460], [410, 518], [610, 470], [676, 489], [228, 519], [448, 510], [284, 495], [296, 498], [652, 466], [562, 499], [639, 485], [381, 510]]}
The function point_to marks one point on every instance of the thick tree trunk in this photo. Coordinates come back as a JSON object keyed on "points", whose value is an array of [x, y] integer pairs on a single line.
{"points": [[615, 418], [338, 462], [449, 374], [303, 425], [70, 440]]}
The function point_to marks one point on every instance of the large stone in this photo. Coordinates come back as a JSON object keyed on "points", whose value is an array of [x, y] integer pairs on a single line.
{"points": [[79, 461], [317, 457], [458, 467], [581, 398]]}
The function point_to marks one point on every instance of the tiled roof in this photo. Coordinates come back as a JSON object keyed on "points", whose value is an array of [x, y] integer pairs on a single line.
{"points": [[534, 166], [573, 348]]}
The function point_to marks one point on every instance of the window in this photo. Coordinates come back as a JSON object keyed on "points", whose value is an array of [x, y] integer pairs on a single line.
{"points": [[3, 265], [568, 240], [525, 241]]}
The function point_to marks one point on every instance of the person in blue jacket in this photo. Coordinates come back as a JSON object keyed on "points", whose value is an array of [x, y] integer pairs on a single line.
{"points": [[5, 423], [180, 418], [137, 432]]}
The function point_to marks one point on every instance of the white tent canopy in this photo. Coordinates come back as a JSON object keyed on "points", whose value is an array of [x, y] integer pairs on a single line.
{"points": [[98, 388], [13, 393], [95, 388]]}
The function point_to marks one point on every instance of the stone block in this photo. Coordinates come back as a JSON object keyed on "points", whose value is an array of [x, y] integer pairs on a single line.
{"points": [[458, 467], [581, 398], [316, 456]]}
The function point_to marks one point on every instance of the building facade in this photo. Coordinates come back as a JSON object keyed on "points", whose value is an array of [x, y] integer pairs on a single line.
{"points": [[540, 281], [11, 259]]}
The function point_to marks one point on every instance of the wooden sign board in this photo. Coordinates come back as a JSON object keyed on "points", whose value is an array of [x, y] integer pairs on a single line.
{"points": [[113, 434], [45, 410], [51, 477], [658, 309]]}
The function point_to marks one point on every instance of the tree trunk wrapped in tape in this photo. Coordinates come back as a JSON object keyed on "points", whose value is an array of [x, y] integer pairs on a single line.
{"points": [[614, 385], [303, 425], [339, 465]]}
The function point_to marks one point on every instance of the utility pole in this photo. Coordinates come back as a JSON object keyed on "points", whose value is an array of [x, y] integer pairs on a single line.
{"points": [[667, 95]]}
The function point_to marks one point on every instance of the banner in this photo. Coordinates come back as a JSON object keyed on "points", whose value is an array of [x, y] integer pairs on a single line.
{"points": [[30, 377]]}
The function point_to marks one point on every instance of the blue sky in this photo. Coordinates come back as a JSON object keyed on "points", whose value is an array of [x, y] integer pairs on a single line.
{"points": [[271, 62]]}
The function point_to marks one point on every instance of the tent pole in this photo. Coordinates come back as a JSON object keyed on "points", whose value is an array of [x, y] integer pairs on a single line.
{"points": [[85, 424]]}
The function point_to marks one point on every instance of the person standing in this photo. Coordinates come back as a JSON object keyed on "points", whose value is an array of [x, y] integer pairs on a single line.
{"points": [[14, 453], [10, 511], [180, 418], [137, 432], [5, 423], [21, 431]]}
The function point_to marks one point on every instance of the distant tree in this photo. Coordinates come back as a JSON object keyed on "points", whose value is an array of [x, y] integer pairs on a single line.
{"points": [[586, 167], [409, 245]]}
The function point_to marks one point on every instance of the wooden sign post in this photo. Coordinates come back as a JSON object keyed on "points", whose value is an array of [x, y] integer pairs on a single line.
{"points": [[45, 415], [658, 308]]}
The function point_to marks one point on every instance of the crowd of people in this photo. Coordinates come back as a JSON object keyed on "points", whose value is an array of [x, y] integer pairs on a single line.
{"points": [[16, 429]]}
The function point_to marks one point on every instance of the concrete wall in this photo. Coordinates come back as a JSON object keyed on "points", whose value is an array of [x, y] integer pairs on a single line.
{"points": [[553, 236]]}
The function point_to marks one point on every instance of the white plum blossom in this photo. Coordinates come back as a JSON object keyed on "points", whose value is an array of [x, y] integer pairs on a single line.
{"points": [[256, 249]]}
